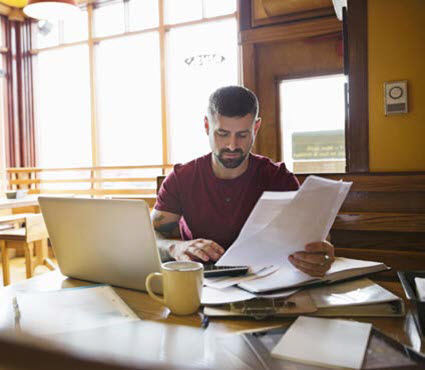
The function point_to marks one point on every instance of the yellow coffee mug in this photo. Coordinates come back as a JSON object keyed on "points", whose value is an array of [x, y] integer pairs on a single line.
{"points": [[182, 286]]}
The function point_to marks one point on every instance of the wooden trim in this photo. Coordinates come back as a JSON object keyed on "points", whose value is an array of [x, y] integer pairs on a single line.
{"points": [[91, 180], [244, 14], [95, 191], [358, 107], [99, 168], [400, 222], [398, 201], [379, 240], [93, 97], [378, 182], [299, 16], [163, 71], [292, 31]]}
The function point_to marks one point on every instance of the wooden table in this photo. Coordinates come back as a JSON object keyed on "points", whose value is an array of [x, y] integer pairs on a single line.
{"points": [[28, 201], [401, 329]]}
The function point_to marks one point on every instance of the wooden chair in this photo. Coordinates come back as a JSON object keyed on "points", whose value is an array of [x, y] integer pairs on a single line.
{"points": [[33, 236]]}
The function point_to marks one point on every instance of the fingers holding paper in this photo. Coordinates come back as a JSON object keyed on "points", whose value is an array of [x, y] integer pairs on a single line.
{"points": [[315, 260]]}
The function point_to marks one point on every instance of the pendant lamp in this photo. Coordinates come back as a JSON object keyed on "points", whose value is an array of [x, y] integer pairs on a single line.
{"points": [[51, 9]]}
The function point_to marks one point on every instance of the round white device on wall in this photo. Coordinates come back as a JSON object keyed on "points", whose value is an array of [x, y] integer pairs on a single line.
{"points": [[395, 97]]}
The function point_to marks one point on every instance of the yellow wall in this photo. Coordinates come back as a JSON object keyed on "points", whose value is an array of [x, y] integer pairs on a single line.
{"points": [[396, 51]]}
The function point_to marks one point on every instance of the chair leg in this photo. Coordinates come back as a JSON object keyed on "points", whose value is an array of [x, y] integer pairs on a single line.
{"points": [[29, 252], [42, 254], [5, 263]]}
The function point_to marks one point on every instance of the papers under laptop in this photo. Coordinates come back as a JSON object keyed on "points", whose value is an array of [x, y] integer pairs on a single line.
{"points": [[282, 223]]}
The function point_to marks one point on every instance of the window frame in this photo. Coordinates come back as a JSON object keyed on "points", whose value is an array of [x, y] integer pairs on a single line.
{"points": [[92, 41], [295, 76]]}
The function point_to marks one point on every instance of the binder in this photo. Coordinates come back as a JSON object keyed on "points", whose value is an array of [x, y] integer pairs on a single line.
{"points": [[362, 298]]}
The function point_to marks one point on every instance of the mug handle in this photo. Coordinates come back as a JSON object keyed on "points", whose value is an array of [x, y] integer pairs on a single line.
{"points": [[148, 288]]}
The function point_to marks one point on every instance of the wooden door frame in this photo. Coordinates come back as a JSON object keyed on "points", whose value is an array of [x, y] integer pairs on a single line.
{"points": [[355, 65]]}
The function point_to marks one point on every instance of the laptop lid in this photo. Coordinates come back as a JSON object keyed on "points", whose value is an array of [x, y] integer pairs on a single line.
{"points": [[102, 240]]}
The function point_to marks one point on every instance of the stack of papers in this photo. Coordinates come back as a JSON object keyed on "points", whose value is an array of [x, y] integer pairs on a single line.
{"points": [[325, 342], [282, 223]]}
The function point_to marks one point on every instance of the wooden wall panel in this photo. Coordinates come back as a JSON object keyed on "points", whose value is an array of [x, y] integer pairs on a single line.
{"points": [[266, 12], [279, 60], [379, 240]]}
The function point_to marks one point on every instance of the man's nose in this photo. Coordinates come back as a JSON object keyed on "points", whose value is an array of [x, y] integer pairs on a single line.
{"points": [[232, 145]]}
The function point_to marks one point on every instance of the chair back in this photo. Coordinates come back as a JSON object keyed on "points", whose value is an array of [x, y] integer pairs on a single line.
{"points": [[35, 228]]}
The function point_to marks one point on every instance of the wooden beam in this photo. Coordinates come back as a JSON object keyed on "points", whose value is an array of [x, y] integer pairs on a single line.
{"points": [[399, 222], [292, 31]]}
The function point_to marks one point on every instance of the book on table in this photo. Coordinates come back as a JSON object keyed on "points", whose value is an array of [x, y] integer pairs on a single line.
{"points": [[360, 297], [69, 310]]}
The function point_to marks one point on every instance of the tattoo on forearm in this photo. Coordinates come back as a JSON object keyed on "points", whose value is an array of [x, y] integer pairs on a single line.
{"points": [[169, 230]]}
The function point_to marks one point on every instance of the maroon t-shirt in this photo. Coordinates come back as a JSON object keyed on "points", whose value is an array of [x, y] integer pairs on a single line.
{"points": [[214, 208]]}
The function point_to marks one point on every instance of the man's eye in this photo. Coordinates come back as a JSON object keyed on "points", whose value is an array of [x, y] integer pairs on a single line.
{"points": [[244, 135], [221, 133]]}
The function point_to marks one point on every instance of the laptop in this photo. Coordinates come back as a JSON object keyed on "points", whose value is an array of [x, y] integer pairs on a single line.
{"points": [[103, 240]]}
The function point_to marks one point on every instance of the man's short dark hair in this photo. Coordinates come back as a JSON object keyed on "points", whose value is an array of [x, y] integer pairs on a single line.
{"points": [[233, 101]]}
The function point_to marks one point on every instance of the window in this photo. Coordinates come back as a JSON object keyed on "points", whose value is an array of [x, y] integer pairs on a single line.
{"points": [[63, 107], [126, 91], [201, 58], [129, 96], [312, 122]]}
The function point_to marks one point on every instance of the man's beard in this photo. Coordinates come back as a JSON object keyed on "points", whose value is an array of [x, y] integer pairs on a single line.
{"points": [[230, 162]]}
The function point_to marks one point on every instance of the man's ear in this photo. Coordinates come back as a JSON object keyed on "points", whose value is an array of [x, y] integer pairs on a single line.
{"points": [[206, 125], [257, 125]]}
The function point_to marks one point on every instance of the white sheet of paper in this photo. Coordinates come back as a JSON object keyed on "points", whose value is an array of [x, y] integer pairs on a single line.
{"points": [[420, 288], [324, 342], [303, 218], [211, 296], [73, 309], [350, 293]]}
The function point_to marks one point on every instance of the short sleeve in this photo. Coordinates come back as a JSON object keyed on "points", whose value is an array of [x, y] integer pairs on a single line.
{"points": [[168, 198], [283, 180]]}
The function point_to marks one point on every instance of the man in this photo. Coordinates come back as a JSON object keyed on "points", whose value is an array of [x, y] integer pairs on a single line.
{"points": [[205, 202]]}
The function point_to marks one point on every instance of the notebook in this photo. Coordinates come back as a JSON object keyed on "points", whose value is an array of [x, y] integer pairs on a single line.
{"points": [[69, 310], [288, 277], [324, 342]]}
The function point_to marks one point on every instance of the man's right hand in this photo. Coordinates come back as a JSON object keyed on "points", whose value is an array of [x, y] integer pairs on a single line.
{"points": [[202, 250]]}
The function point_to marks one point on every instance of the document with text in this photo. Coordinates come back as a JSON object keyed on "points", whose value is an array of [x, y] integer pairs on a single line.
{"points": [[282, 223]]}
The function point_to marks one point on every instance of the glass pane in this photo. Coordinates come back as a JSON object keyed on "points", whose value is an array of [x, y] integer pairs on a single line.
{"points": [[129, 96], [201, 58], [143, 14], [312, 124], [76, 28], [63, 122], [46, 33], [109, 19], [214, 8], [177, 11]]}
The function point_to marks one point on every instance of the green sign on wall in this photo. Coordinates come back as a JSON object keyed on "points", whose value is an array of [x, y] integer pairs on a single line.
{"points": [[318, 145]]}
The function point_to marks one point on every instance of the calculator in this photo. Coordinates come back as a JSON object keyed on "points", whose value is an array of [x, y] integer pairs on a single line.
{"points": [[215, 271]]}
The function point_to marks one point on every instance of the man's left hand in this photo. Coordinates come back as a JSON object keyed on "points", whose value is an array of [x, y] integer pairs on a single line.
{"points": [[315, 260]]}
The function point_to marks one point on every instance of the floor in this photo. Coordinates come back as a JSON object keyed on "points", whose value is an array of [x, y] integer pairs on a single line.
{"points": [[17, 270]]}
